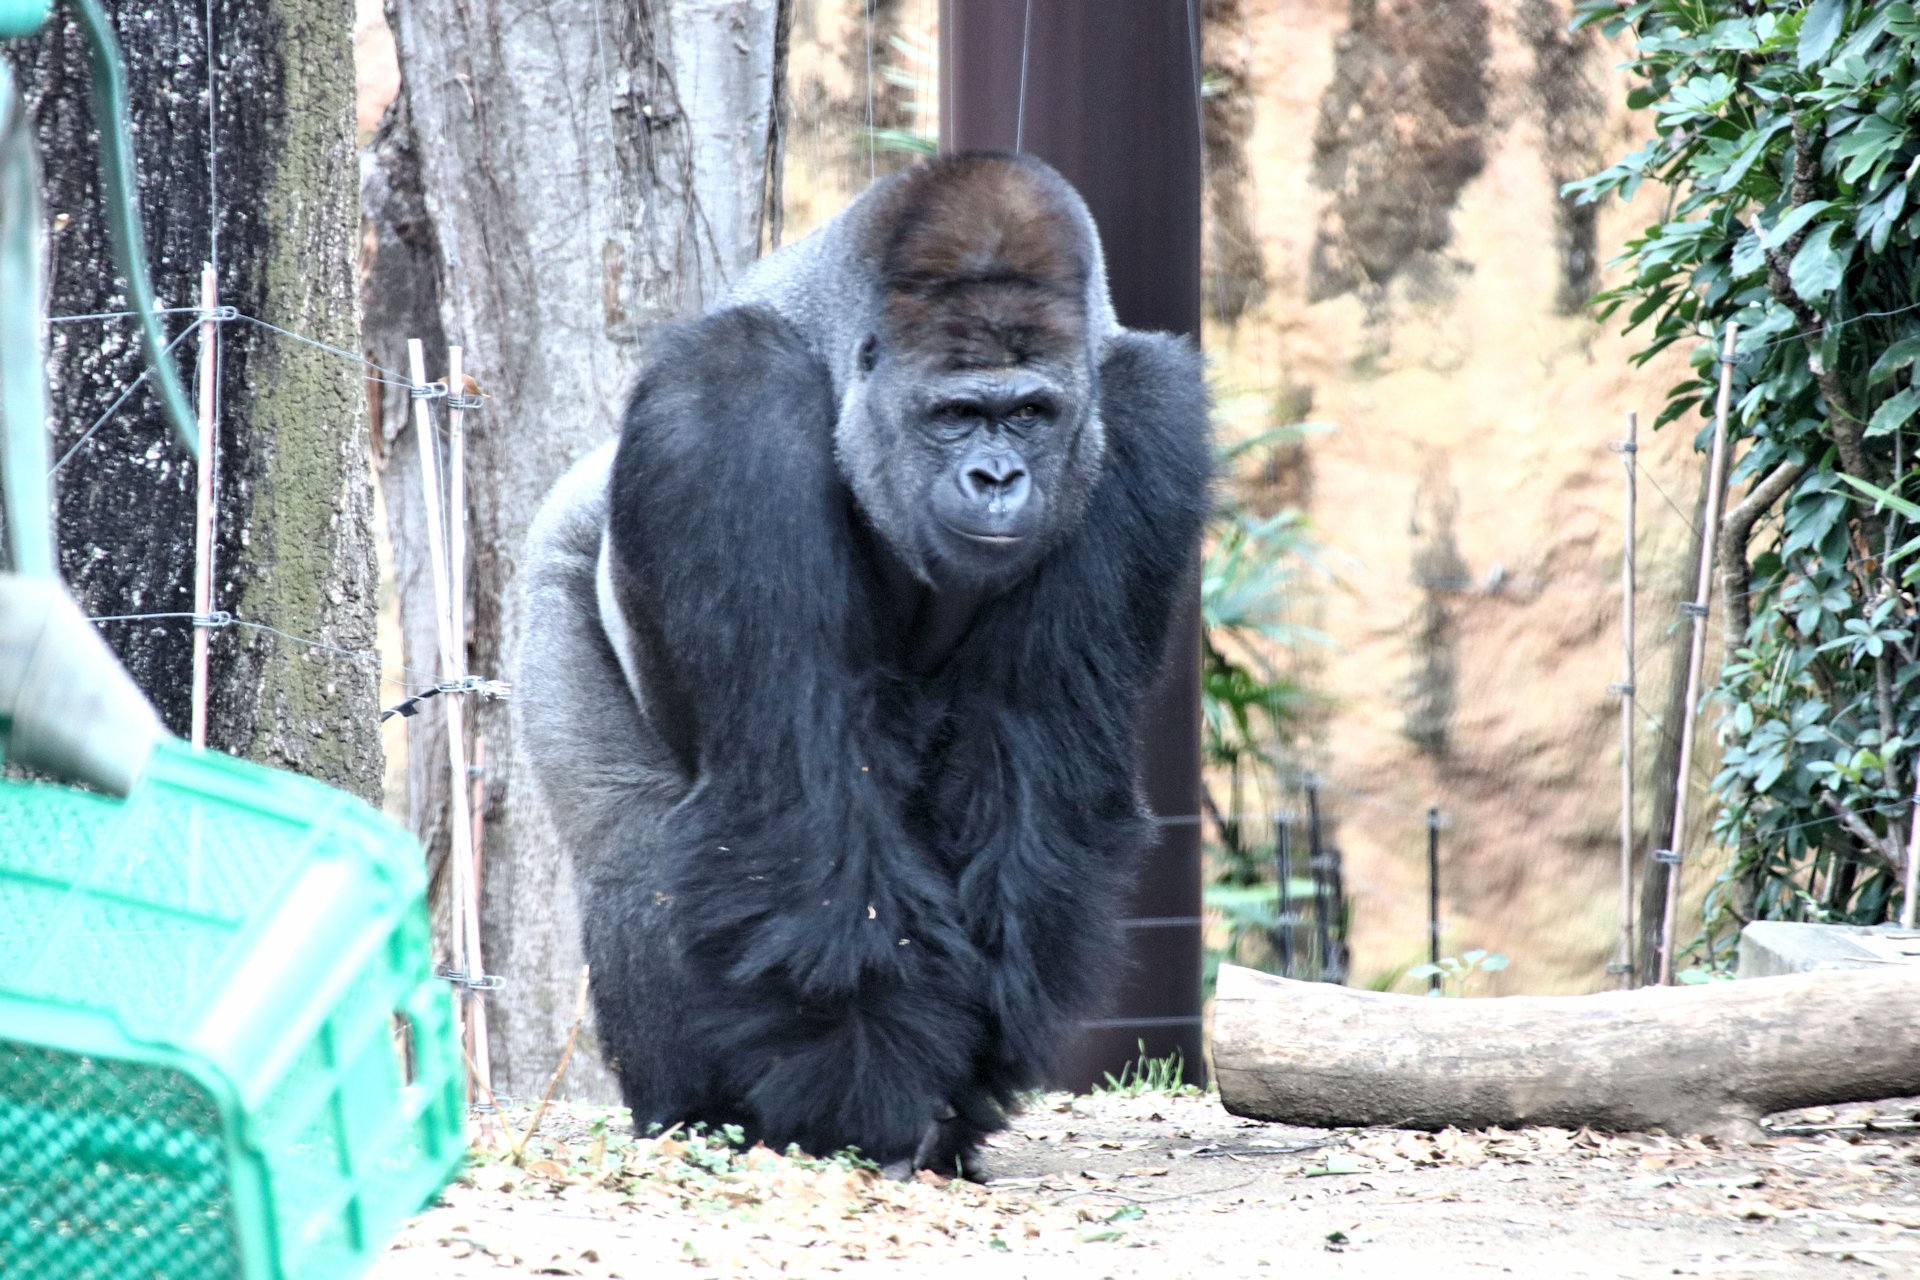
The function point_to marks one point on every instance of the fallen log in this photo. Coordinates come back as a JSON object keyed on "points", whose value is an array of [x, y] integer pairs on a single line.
{"points": [[1708, 1059]]}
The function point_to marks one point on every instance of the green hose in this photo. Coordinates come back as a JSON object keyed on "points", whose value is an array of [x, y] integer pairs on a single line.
{"points": [[123, 213], [23, 379]]}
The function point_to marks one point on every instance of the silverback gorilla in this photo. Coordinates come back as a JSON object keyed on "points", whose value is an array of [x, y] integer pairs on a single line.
{"points": [[834, 665]]}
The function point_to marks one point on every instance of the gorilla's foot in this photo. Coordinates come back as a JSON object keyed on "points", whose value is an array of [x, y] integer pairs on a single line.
{"points": [[936, 1151]]}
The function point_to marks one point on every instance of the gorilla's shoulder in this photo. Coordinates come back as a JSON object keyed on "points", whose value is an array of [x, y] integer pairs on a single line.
{"points": [[1154, 402], [731, 377], [728, 382], [728, 437]]}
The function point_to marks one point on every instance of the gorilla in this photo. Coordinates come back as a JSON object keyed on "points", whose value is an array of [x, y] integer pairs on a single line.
{"points": [[834, 662]]}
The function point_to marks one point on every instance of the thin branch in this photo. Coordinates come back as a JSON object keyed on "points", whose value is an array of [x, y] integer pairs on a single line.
{"points": [[566, 1056], [1886, 849], [1736, 527]]}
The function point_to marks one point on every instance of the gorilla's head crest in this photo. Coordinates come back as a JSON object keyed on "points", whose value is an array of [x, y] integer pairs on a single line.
{"points": [[988, 265]]}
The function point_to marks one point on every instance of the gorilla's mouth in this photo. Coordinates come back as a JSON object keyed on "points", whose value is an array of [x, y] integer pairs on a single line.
{"points": [[987, 539]]}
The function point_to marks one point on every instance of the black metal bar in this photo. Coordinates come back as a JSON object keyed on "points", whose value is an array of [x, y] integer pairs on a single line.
{"points": [[1283, 924], [1317, 868], [1111, 100], [1337, 957], [1433, 895]]}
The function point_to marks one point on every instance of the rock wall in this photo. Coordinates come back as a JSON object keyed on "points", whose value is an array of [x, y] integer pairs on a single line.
{"points": [[1423, 295]]}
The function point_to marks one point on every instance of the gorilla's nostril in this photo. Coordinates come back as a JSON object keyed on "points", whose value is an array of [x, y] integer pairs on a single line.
{"points": [[984, 481]]}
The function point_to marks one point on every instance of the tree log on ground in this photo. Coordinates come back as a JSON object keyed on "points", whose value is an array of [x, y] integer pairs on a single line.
{"points": [[1708, 1059]]}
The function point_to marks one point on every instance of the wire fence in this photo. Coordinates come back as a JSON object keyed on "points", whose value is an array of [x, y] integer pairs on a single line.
{"points": [[419, 686]]}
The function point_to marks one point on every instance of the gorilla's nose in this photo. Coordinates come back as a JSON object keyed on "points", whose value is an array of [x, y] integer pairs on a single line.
{"points": [[997, 482]]}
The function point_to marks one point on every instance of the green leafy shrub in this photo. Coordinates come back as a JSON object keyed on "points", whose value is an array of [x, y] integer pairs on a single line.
{"points": [[1786, 137]]}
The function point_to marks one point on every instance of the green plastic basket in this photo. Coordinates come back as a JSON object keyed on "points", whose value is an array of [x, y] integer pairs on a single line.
{"points": [[223, 1052]]}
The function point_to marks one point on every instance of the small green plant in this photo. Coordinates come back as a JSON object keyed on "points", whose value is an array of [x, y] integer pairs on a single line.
{"points": [[1149, 1075], [1456, 973]]}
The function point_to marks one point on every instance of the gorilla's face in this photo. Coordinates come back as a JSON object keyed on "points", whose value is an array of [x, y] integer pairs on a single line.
{"points": [[985, 467], [969, 429]]}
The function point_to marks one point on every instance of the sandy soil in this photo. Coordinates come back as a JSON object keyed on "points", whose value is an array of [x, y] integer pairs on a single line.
{"points": [[1159, 1185]]}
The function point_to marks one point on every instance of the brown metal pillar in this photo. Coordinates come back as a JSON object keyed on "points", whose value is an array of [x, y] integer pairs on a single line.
{"points": [[1112, 100]]}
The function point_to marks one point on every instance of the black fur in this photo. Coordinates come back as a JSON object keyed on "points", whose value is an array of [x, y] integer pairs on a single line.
{"points": [[858, 894]]}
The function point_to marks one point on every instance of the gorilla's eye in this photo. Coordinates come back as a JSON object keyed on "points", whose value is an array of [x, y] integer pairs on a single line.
{"points": [[1026, 413], [957, 415]]}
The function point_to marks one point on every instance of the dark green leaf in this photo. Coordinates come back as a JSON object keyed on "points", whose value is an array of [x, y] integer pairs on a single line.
{"points": [[1819, 29], [1794, 220], [1820, 265], [1894, 412]]}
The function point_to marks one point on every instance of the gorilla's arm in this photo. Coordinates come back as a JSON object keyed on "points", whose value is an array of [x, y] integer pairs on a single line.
{"points": [[1042, 795], [801, 901]]}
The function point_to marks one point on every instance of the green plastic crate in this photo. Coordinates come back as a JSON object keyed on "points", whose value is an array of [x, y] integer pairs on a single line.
{"points": [[212, 997]]}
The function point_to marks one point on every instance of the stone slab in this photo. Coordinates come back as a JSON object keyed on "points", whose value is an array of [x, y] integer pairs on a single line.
{"points": [[1770, 947]]}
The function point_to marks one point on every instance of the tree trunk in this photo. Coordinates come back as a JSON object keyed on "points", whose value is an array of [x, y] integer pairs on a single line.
{"points": [[294, 549], [1704, 1059], [576, 176], [1654, 876]]}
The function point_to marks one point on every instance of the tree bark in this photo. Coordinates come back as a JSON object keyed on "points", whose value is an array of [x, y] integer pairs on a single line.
{"points": [[294, 549], [1704, 1059], [584, 173]]}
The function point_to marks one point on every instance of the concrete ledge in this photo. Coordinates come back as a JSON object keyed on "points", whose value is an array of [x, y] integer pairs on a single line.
{"points": [[1772, 947]]}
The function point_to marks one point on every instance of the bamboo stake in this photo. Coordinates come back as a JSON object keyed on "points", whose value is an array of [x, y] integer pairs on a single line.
{"points": [[461, 819], [203, 504], [1696, 657], [1631, 452], [460, 831]]}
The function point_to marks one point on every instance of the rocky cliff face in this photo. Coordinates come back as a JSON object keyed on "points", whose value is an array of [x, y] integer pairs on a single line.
{"points": [[1396, 164]]}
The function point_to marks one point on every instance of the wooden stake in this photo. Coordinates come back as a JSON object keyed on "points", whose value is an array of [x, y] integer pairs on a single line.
{"points": [[1696, 657], [203, 503], [1631, 451]]}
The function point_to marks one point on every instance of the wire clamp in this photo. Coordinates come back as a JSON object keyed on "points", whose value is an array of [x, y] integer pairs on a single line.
{"points": [[428, 391], [219, 314], [1618, 967], [213, 621], [1622, 446], [476, 684], [1667, 856], [461, 978], [1693, 609], [466, 403], [1624, 690]]}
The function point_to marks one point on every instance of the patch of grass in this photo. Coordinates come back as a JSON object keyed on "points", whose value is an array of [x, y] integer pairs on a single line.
{"points": [[1149, 1075]]}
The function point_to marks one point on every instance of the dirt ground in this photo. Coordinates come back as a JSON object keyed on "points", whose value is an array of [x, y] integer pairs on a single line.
{"points": [[1172, 1186]]}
